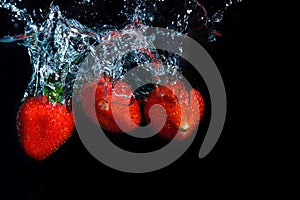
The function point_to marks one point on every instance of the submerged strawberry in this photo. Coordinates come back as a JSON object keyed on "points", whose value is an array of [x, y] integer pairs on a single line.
{"points": [[184, 110], [107, 97], [43, 127]]}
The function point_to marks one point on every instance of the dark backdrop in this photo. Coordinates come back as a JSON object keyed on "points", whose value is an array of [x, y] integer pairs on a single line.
{"points": [[72, 172]]}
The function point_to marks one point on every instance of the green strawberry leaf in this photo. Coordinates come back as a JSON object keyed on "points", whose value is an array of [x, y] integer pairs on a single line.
{"points": [[54, 95]]}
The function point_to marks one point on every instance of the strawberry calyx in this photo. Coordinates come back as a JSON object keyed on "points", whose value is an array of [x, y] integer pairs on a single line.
{"points": [[54, 95]]}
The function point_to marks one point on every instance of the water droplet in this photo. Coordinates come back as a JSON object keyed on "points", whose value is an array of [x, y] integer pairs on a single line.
{"points": [[58, 45]]}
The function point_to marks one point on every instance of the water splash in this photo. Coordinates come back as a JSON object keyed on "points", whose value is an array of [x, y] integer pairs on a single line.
{"points": [[56, 48], [57, 45]]}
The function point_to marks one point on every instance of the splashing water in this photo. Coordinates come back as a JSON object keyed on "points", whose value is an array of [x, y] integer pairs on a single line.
{"points": [[58, 46]]}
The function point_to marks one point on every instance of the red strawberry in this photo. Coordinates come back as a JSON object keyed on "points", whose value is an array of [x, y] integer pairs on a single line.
{"points": [[43, 127], [107, 95], [184, 110]]}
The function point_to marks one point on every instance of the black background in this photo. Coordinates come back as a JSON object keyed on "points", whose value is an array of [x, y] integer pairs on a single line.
{"points": [[72, 172]]}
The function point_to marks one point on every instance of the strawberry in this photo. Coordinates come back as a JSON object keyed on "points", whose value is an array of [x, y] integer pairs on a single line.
{"points": [[43, 127], [184, 110], [108, 95]]}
